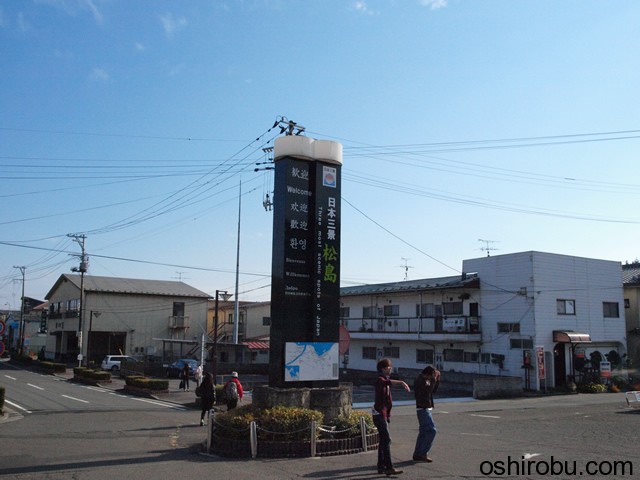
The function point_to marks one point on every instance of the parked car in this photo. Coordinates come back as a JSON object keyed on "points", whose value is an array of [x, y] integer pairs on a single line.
{"points": [[174, 369], [112, 362]]}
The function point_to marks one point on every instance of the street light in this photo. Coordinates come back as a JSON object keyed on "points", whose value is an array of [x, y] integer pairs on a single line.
{"points": [[225, 296], [91, 315]]}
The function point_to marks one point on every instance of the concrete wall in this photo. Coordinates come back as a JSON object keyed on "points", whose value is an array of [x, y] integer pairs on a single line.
{"points": [[496, 387]]}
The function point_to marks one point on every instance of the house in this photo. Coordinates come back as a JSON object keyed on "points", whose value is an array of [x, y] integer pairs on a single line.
{"points": [[142, 318], [493, 319], [631, 283]]}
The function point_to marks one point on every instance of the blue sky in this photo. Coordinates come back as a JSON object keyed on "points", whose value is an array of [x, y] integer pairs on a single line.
{"points": [[514, 122]]}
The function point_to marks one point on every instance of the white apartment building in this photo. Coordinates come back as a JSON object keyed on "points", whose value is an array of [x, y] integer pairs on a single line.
{"points": [[494, 318]]}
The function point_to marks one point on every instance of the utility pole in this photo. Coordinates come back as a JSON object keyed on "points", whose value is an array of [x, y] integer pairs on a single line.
{"points": [[236, 310], [21, 329], [79, 239]]}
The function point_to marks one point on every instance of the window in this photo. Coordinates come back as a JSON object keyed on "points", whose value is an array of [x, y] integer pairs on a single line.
{"points": [[230, 318], [627, 304], [391, 352], [453, 355], [452, 308], [471, 357], [178, 309], [391, 310], [566, 307], [610, 310], [344, 312], [485, 358], [424, 356], [369, 353], [508, 328], [369, 312], [425, 310], [266, 321], [521, 343]]}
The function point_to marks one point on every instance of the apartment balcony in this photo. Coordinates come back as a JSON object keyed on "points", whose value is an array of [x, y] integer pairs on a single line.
{"points": [[436, 329], [178, 322]]}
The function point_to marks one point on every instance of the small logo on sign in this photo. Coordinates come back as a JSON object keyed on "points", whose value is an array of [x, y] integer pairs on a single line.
{"points": [[329, 177]]}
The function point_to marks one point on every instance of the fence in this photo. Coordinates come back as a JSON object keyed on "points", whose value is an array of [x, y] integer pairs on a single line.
{"points": [[314, 447]]}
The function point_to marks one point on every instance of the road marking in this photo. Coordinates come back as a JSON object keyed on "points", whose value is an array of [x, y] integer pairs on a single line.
{"points": [[98, 389], [476, 434], [161, 404], [17, 406], [35, 386], [74, 398], [483, 416], [10, 378]]}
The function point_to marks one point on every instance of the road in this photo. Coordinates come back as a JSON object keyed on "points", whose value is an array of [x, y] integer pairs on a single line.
{"points": [[70, 431]]}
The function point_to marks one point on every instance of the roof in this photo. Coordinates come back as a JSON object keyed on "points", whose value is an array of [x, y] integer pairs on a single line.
{"points": [[257, 345], [457, 281], [130, 286], [569, 336], [631, 273]]}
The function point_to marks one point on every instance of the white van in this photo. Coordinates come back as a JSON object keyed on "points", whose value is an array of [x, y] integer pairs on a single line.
{"points": [[112, 362]]}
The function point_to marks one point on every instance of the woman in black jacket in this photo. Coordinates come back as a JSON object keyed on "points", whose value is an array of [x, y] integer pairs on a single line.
{"points": [[207, 392]]}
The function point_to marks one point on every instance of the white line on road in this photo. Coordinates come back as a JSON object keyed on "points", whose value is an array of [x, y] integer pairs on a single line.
{"points": [[10, 378], [74, 398], [476, 434], [35, 386], [162, 404], [483, 416], [17, 406]]}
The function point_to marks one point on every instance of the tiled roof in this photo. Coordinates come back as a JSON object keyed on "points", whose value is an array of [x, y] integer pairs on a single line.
{"points": [[131, 286], [631, 273], [411, 285]]}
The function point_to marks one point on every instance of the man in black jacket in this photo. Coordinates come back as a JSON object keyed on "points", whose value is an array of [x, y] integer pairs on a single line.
{"points": [[425, 385]]}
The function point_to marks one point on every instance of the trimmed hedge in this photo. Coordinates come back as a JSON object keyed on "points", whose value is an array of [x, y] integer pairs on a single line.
{"points": [[153, 384], [90, 374], [52, 367]]}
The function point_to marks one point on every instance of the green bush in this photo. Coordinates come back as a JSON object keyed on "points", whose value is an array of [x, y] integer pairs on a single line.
{"points": [[277, 423], [154, 384], [349, 425], [90, 374], [592, 388], [52, 367]]}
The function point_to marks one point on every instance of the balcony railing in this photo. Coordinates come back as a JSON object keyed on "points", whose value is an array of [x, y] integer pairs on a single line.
{"points": [[177, 321], [445, 324]]}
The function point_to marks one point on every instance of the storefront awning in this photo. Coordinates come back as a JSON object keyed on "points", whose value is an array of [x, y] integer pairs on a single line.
{"points": [[568, 336], [257, 345]]}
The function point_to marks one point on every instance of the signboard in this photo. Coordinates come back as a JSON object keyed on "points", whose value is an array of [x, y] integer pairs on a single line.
{"points": [[3, 327], [605, 369], [305, 285], [311, 361], [540, 362]]}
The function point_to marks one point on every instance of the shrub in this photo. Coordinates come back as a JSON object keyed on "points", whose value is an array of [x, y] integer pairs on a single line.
{"points": [[349, 426], [52, 367], [592, 388], [154, 384], [90, 374], [277, 423]]}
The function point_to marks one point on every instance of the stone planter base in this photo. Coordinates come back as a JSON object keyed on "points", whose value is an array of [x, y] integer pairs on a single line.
{"points": [[274, 449]]}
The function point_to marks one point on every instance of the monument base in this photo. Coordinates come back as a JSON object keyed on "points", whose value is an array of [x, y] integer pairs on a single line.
{"points": [[331, 401]]}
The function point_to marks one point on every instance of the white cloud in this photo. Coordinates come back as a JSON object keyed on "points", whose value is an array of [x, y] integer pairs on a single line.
{"points": [[139, 47], [362, 7], [99, 75], [71, 7], [434, 4], [171, 24]]}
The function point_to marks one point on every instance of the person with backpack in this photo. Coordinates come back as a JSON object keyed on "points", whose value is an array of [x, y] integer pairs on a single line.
{"points": [[233, 391]]}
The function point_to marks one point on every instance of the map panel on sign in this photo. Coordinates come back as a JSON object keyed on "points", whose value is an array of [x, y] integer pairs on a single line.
{"points": [[311, 361]]}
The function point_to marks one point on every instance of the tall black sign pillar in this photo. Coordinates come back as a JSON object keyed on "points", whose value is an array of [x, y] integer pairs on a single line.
{"points": [[305, 286]]}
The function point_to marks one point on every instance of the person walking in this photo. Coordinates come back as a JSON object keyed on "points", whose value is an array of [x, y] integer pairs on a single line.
{"points": [[382, 415], [207, 392], [233, 391], [184, 377], [425, 385], [198, 375]]}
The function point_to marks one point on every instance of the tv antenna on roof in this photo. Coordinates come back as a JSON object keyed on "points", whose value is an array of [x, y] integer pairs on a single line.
{"points": [[406, 267], [487, 248]]}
